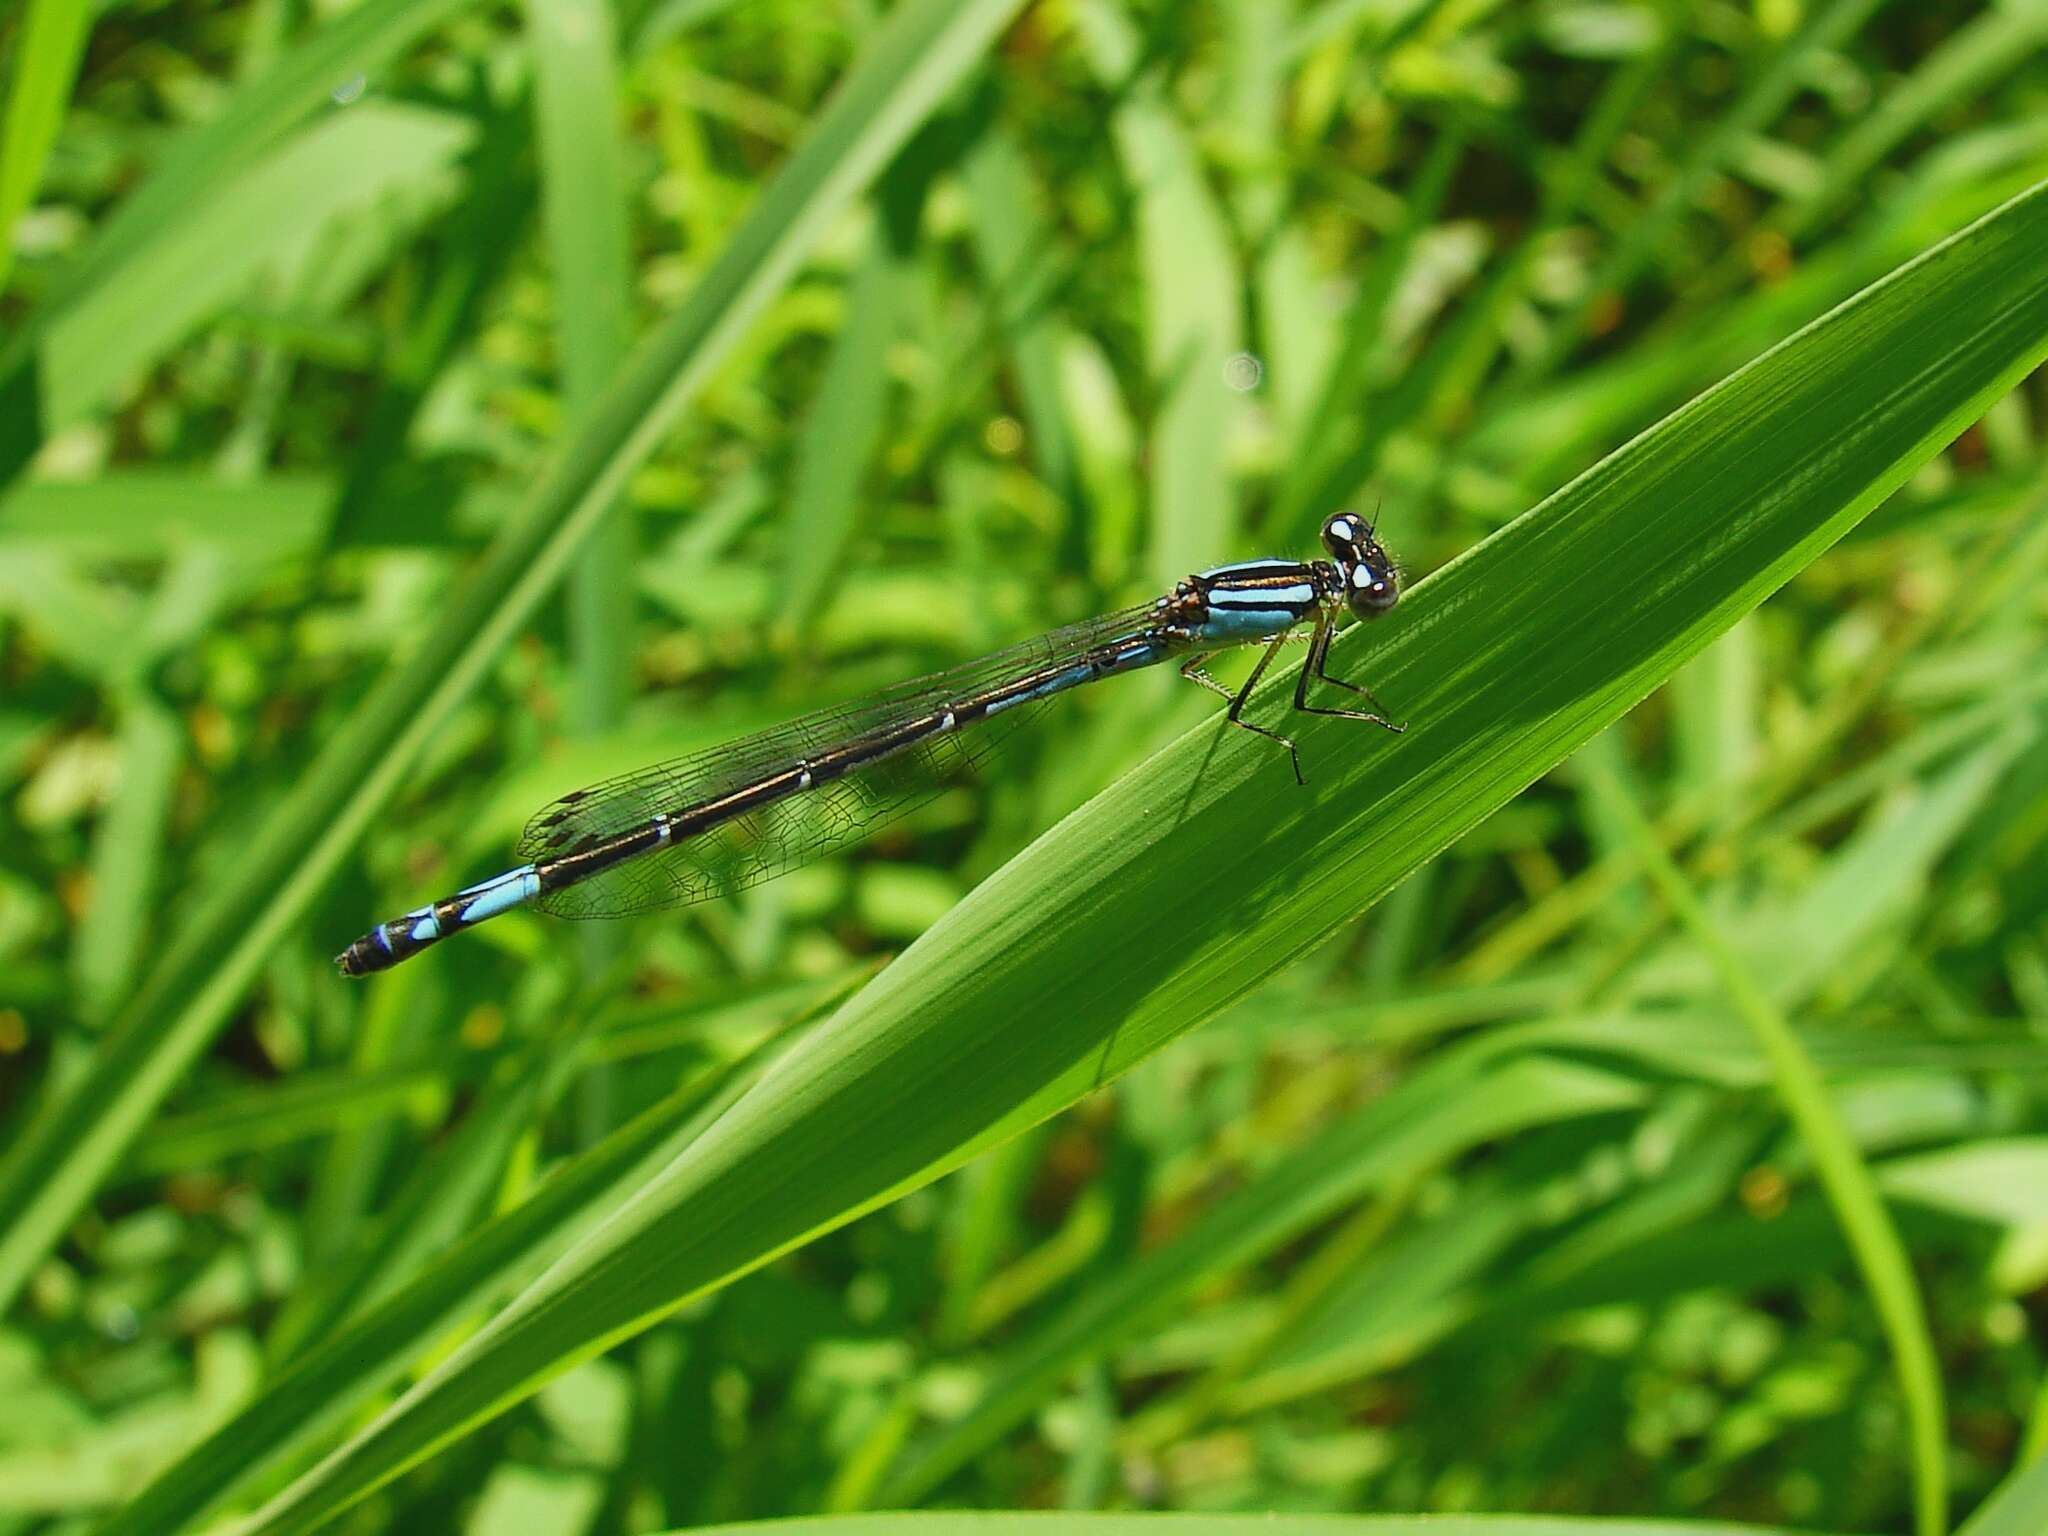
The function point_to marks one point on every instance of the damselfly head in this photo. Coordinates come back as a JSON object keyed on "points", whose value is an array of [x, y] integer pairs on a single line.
{"points": [[1372, 582]]}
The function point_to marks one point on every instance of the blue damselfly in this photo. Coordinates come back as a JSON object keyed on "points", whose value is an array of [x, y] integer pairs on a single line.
{"points": [[707, 825]]}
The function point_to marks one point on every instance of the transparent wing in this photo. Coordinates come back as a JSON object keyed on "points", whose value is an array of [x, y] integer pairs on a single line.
{"points": [[774, 839]]}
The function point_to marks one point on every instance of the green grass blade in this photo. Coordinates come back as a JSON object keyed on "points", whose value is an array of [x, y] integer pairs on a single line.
{"points": [[1843, 1174], [583, 201], [45, 64], [1768, 92], [339, 172], [51, 1171], [127, 854], [1206, 870], [1989, 46], [844, 432]]}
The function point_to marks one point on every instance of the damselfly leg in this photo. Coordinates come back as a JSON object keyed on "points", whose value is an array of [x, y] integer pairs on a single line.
{"points": [[1318, 653], [1192, 670]]}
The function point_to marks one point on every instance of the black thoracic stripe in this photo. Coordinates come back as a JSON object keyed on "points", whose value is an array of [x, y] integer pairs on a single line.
{"points": [[1276, 574]]}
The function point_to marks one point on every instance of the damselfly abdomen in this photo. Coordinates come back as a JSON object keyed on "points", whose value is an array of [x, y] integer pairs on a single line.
{"points": [[707, 825]]}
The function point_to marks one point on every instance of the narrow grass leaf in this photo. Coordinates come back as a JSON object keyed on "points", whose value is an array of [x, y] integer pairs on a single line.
{"points": [[959, 1522], [2019, 1508], [1191, 291], [142, 514], [127, 853], [839, 441], [262, 223]]}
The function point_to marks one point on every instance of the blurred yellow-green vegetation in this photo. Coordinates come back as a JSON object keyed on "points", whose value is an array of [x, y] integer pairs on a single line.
{"points": [[1623, 1097]]}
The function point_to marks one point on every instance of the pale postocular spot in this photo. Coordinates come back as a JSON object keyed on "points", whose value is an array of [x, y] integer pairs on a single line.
{"points": [[1242, 372]]}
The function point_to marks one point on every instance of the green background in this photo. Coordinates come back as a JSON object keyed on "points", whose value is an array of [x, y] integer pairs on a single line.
{"points": [[1619, 1096]]}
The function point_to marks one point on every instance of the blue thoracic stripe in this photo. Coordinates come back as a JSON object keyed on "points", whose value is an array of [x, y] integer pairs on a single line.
{"points": [[1254, 600]]}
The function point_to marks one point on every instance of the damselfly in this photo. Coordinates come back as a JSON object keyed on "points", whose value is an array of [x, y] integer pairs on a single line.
{"points": [[710, 824]]}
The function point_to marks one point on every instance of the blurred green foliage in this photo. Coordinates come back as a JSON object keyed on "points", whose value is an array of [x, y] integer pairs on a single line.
{"points": [[1489, 1204]]}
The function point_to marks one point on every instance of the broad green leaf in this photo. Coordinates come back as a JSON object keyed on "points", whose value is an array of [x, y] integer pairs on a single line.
{"points": [[52, 1168], [339, 1370], [1207, 869]]}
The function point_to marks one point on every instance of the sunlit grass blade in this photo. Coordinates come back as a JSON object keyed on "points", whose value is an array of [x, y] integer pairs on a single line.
{"points": [[1191, 307], [52, 1169], [585, 209], [1204, 871]]}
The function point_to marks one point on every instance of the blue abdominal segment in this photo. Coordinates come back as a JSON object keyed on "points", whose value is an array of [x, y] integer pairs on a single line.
{"points": [[512, 889], [402, 937]]}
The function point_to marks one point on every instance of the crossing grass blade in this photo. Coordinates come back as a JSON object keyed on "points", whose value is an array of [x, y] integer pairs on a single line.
{"points": [[1204, 871], [912, 60]]}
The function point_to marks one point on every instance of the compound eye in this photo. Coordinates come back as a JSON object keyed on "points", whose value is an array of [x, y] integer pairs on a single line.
{"points": [[1342, 534], [1372, 592]]}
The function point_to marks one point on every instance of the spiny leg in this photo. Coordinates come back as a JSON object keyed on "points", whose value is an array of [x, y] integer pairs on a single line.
{"points": [[1192, 670], [1318, 652]]}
